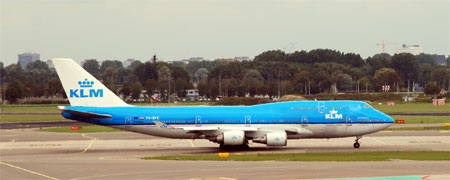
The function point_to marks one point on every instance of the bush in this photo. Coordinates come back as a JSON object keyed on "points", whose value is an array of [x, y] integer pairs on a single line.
{"points": [[432, 89], [231, 101]]}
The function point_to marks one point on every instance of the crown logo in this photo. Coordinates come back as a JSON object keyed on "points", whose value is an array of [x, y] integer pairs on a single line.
{"points": [[333, 112], [85, 83]]}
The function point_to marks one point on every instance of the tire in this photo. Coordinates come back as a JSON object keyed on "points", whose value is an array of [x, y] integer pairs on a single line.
{"points": [[356, 145]]}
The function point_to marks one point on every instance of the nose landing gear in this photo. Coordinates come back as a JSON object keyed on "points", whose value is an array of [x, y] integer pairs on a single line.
{"points": [[356, 144]]}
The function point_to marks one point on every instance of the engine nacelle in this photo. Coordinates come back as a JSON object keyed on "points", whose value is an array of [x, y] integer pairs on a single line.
{"points": [[232, 138], [273, 139]]}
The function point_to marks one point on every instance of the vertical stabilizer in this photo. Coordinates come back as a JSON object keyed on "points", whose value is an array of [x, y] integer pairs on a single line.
{"points": [[83, 89]]}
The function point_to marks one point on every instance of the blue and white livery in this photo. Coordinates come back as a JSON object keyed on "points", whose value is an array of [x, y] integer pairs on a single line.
{"points": [[271, 124]]}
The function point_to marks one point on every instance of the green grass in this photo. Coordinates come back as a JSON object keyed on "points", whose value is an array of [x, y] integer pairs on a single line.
{"points": [[84, 129], [423, 119], [27, 108], [411, 108], [30, 118], [355, 156], [431, 128]]}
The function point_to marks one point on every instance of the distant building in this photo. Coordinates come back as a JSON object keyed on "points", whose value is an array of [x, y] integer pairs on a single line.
{"points": [[186, 61], [226, 60], [242, 58], [26, 58], [128, 62], [412, 49]]}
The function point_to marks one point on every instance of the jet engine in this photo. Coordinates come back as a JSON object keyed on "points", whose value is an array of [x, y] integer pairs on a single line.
{"points": [[231, 138], [273, 139]]}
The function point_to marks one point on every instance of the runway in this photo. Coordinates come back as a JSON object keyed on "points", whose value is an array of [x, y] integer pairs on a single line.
{"points": [[28, 154]]}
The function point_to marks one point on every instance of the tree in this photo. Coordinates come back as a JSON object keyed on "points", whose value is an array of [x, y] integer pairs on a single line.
{"points": [[125, 91], [377, 62], [164, 78], [432, 89], [134, 64], [150, 86], [115, 64], [365, 83], [136, 90], [91, 66], [110, 76], [181, 86], [145, 71], [426, 59], [441, 75], [274, 55], [406, 65], [254, 81], [15, 90], [200, 75], [30, 88], [302, 80], [386, 76], [37, 65], [202, 87]]}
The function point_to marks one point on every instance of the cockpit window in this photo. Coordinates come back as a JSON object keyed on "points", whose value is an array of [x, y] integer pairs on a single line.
{"points": [[367, 106]]}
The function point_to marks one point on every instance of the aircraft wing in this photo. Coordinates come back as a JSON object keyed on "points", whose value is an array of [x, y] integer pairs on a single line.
{"points": [[85, 114], [215, 128], [205, 129]]}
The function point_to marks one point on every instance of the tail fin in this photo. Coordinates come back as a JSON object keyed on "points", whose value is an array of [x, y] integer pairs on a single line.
{"points": [[83, 89]]}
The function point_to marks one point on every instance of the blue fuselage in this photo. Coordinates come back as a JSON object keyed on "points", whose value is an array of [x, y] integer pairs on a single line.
{"points": [[296, 112]]}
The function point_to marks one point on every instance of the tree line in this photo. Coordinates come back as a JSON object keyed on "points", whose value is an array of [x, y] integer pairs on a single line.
{"points": [[273, 73]]}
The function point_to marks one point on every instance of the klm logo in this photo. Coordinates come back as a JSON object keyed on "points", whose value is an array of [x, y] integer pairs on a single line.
{"points": [[86, 90], [333, 115]]}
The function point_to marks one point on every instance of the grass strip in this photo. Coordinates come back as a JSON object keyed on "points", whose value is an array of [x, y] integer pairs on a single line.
{"points": [[354, 156], [431, 128], [31, 108], [30, 118], [411, 107], [83, 129], [423, 119]]}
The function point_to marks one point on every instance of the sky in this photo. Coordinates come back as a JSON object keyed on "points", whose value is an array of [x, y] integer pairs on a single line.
{"points": [[179, 29]]}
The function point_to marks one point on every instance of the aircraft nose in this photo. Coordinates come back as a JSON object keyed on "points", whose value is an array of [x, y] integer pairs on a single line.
{"points": [[388, 119]]}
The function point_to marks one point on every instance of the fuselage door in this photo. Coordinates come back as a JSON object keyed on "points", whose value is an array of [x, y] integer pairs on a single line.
{"points": [[321, 107], [128, 120], [198, 120], [304, 120], [349, 120], [248, 120]]}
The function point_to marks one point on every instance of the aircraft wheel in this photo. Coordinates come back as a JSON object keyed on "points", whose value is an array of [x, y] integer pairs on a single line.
{"points": [[356, 145]]}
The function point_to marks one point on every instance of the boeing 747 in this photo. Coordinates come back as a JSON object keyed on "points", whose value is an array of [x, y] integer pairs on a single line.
{"points": [[230, 126]]}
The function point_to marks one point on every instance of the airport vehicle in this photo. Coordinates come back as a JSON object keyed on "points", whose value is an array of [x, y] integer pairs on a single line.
{"points": [[230, 126]]}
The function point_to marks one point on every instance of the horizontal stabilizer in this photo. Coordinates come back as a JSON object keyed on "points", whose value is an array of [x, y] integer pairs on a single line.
{"points": [[86, 114]]}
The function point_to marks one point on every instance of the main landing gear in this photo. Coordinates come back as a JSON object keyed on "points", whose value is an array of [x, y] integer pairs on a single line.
{"points": [[356, 144]]}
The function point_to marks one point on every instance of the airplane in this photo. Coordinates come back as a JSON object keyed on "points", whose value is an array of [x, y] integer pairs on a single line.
{"points": [[230, 126]]}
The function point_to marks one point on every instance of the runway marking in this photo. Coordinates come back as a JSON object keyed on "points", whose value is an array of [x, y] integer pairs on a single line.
{"points": [[444, 131], [29, 171], [12, 140], [379, 141], [90, 143], [192, 142]]}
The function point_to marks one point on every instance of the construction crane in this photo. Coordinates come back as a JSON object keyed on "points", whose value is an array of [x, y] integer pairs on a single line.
{"points": [[383, 45]]}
